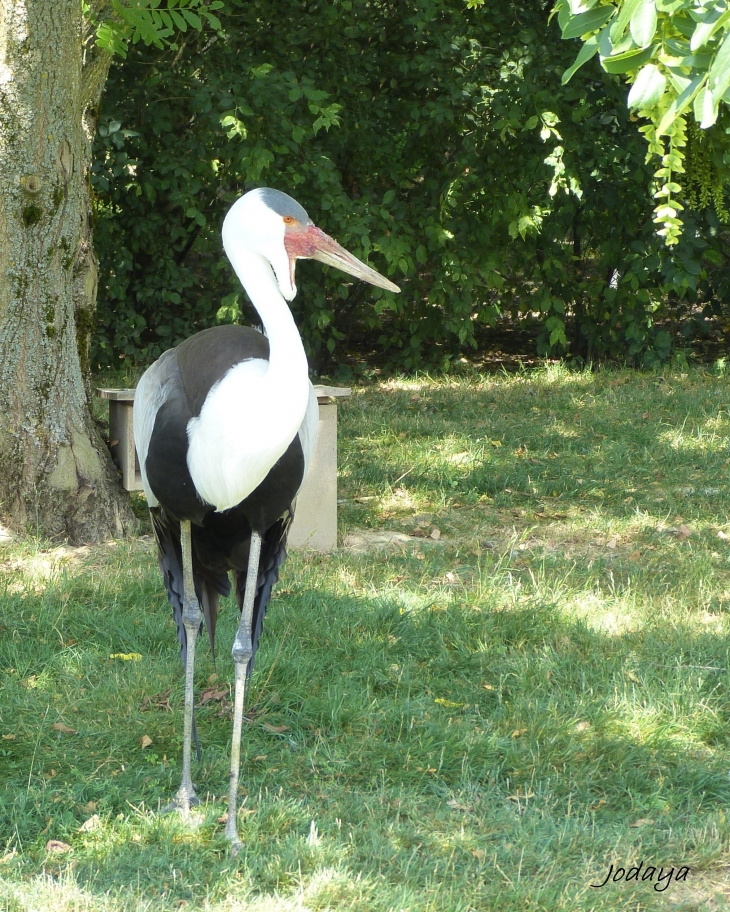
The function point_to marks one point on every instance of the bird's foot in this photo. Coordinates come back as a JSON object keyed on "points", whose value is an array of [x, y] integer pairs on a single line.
{"points": [[236, 846], [233, 837], [183, 801]]}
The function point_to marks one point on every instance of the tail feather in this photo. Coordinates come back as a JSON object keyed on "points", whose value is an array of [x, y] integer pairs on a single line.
{"points": [[208, 599], [273, 554], [209, 584]]}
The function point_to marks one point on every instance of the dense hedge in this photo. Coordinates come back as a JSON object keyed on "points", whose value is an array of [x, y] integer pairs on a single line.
{"points": [[432, 139]]}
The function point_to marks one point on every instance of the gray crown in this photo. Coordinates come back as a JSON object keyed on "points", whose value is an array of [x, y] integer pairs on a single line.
{"points": [[283, 204]]}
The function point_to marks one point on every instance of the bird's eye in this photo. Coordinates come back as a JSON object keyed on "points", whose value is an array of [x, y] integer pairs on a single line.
{"points": [[289, 220]]}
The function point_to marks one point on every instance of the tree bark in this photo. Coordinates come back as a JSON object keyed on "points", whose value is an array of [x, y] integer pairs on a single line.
{"points": [[56, 475]]}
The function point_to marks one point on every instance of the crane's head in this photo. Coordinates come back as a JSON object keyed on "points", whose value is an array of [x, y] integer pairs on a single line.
{"points": [[275, 226]]}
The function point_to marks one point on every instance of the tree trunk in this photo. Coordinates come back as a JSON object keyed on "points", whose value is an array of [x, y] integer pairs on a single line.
{"points": [[56, 474]]}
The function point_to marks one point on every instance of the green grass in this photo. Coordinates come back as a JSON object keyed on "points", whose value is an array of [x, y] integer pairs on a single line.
{"points": [[486, 719]]}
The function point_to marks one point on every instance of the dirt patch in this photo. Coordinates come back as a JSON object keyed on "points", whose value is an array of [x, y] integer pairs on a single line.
{"points": [[703, 891], [362, 540]]}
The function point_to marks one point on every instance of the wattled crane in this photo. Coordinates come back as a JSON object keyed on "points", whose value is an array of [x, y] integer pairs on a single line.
{"points": [[224, 426]]}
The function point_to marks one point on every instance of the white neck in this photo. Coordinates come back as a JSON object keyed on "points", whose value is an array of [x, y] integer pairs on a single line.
{"points": [[288, 368], [255, 412]]}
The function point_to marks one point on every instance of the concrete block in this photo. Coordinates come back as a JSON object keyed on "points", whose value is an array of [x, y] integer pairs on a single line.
{"points": [[315, 517]]}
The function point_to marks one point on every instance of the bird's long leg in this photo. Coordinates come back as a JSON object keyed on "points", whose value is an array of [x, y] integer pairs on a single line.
{"points": [[242, 652], [192, 616]]}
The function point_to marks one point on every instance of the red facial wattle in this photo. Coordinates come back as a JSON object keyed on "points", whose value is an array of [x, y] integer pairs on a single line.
{"points": [[305, 242]]}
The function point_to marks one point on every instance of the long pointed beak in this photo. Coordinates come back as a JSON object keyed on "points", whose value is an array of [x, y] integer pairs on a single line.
{"points": [[326, 249]]}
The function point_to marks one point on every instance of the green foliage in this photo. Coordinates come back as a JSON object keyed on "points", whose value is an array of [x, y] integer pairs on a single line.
{"points": [[677, 55], [150, 22], [435, 141]]}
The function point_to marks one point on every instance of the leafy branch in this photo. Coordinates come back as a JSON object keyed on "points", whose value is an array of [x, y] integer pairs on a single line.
{"points": [[676, 55], [154, 22]]}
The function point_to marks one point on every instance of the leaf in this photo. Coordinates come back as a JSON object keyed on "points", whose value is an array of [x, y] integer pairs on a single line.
{"points": [[719, 76], [648, 88], [588, 22], [435, 534], [93, 823], [55, 845], [562, 8], [629, 60], [276, 729], [701, 35], [643, 23], [704, 30], [213, 20], [679, 81], [211, 694], [193, 19], [618, 27], [60, 727], [179, 20], [710, 109], [680, 104], [589, 49], [145, 741], [695, 61]]}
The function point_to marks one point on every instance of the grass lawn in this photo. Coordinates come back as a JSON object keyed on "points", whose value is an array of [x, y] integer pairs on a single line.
{"points": [[513, 675]]}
